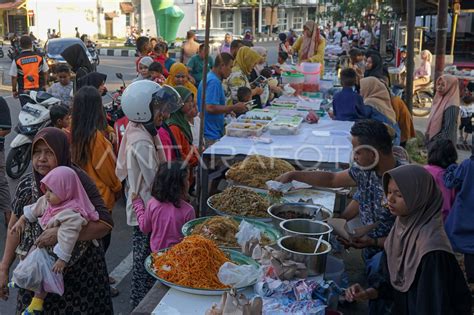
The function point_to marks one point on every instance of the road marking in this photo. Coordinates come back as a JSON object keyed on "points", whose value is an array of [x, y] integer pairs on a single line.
{"points": [[122, 269]]}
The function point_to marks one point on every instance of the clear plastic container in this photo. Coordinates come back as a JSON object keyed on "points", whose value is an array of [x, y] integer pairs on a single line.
{"points": [[285, 125], [244, 130], [310, 67], [292, 78]]}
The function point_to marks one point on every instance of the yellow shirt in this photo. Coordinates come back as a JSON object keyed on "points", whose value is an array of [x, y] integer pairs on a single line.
{"points": [[318, 53]]}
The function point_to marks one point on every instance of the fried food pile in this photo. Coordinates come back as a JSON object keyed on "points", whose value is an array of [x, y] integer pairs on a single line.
{"points": [[242, 202], [256, 170]]}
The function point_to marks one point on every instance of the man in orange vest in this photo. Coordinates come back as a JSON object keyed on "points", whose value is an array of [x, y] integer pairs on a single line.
{"points": [[29, 70]]}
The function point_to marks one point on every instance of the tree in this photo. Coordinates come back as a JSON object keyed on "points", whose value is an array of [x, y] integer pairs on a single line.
{"points": [[273, 4], [253, 4]]}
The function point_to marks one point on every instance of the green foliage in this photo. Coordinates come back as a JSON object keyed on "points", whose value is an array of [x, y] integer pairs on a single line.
{"points": [[352, 12]]}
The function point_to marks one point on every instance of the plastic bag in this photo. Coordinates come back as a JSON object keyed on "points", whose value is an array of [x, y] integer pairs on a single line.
{"points": [[35, 273], [247, 232], [237, 276]]}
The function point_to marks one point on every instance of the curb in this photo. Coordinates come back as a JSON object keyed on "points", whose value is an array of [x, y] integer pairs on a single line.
{"points": [[117, 52], [266, 39]]}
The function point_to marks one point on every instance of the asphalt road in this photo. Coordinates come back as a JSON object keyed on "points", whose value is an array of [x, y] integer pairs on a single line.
{"points": [[119, 254]]}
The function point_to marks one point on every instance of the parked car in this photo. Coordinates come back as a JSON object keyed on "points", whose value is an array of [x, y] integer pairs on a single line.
{"points": [[53, 49]]}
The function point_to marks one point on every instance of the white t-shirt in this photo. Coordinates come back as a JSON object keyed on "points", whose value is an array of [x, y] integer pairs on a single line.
{"points": [[367, 37]]}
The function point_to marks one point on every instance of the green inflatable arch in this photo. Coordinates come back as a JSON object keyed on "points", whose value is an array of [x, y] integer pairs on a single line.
{"points": [[168, 17]]}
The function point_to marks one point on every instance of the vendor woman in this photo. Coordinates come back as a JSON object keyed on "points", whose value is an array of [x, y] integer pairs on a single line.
{"points": [[310, 47], [418, 271]]}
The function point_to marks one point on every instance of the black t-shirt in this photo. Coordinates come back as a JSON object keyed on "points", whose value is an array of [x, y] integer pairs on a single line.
{"points": [[5, 119]]}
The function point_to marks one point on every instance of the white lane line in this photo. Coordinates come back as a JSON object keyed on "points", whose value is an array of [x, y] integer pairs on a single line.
{"points": [[122, 269]]}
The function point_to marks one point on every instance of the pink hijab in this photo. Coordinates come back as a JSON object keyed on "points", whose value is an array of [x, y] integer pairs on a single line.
{"points": [[310, 45], [441, 102], [64, 183]]}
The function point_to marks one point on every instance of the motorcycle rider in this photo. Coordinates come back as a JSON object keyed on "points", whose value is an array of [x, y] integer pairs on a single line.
{"points": [[29, 70]]}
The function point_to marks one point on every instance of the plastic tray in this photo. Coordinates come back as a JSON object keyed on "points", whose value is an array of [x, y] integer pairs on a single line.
{"points": [[244, 130], [285, 125]]}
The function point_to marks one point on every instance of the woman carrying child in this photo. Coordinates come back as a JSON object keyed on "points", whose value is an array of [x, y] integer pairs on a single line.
{"points": [[65, 205], [85, 280]]}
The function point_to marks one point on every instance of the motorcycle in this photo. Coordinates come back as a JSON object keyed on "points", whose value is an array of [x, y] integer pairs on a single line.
{"points": [[422, 98], [131, 41], [13, 52], [115, 116], [33, 116], [91, 47]]}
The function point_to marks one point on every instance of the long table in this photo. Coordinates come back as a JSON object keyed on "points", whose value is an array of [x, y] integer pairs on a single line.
{"points": [[325, 145]]}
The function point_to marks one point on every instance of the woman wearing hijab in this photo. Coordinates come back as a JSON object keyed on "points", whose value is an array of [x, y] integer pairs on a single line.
{"points": [[86, 285], [419, 271], [374, 68], [179, 125], [76, 57], [94, 79], [244, 63], [179, 76], [143, 65], [378, 104], [310, 47], [443, 121], [422, 75]]}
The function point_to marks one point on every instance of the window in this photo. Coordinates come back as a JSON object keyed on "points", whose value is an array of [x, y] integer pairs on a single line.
{"points": [[298, 23], [282, 20], [227, 20], [31, 20], [127, 19]]}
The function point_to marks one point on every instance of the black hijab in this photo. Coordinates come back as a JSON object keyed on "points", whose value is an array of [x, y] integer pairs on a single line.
{"points": [[76, 57], [57, 141], [377, 67], [94, 79]]}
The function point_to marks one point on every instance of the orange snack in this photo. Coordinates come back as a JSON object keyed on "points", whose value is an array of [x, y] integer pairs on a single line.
{"points": [[194, 262]]}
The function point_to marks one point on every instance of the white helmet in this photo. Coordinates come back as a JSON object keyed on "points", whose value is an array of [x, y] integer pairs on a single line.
{"points": [[136, 100], [141, 98]]}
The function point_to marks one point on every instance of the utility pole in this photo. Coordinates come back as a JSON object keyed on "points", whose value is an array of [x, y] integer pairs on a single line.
{"points": [[260, 14], [441, 37], [456, 11], [410, 53]]}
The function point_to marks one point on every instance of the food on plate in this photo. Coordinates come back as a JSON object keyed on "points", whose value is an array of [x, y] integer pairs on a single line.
{"points": [[194, 262], [242, 202], [222, 230], [256, 170]]}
